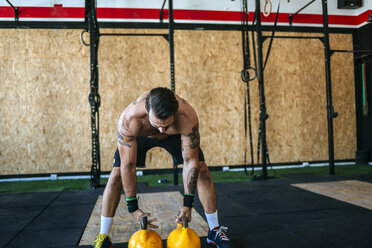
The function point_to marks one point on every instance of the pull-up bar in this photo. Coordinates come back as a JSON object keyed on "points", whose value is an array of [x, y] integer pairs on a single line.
{"points": [[365, 53], [165, 36], [352, 51], [133, 34], [294, 37]]}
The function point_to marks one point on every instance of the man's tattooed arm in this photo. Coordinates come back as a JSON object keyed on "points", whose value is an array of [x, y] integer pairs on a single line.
{"points": [[124, 139], [192, 179], [194, 137]]}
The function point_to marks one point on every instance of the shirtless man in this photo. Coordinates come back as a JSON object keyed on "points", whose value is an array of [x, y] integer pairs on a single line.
{"points": [[159, 118]]}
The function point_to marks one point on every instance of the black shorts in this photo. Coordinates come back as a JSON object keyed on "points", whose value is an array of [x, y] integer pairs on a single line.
{"points": [[172, 144]]}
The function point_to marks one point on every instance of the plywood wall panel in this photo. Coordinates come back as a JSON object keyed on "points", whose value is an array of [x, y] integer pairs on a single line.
{"points": [[209, 80], [45, 113], [343, 93], [296, 73]]}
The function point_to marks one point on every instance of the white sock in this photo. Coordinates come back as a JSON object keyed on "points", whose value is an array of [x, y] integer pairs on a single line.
{"points": [[106, 223], [212, 220]]}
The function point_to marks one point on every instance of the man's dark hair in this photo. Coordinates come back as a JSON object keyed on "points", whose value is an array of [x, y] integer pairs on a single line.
{"points": [[162, 102]]}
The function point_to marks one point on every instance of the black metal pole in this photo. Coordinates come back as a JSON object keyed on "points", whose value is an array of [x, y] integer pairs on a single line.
{"points": [[172, 71], [171, 46], [16, 13], [263, 115], [94, 98], [330, 111]]}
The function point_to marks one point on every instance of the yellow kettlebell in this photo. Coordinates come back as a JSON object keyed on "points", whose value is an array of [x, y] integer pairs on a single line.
{"points": [[145, 238], [183, 237]]}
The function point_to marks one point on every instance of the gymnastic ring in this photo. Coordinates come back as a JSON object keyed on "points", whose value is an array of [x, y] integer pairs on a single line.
{"points": [[246, 76], [266, 14], [82, 39]]}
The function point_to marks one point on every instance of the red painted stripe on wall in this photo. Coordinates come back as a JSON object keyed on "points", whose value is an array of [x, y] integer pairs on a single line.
{"points": [[179, 14], [43, 12], [116, 13]]}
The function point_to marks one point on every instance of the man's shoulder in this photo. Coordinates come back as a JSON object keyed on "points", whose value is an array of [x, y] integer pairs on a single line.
{"points": [[187, 117], [131, 119], [187, 111]]}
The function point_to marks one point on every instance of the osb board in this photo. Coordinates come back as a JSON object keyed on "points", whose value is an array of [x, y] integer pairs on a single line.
{"points": [[352, 191], [45, 114], [295, 89], [343, 100], [164, 206], [206, 64]]}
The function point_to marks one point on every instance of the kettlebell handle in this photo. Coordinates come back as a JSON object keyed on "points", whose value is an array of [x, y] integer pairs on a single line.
{"points": [[144, 222], [185, 222]]}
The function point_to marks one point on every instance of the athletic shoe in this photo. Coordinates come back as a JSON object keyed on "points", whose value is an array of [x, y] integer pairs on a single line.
{"points": [[218, 237], [102, 241]]}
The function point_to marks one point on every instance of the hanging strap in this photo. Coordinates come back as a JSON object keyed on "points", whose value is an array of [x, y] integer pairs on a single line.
{"points": [[247, 120], [246, 78], [245, 133], [272, 36], [260, 139]]}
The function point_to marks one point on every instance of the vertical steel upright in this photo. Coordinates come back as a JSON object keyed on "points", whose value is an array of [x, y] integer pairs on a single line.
{"points": [[171, 46], [94, 98], [172, 70], [260, 74], [330, 110]]}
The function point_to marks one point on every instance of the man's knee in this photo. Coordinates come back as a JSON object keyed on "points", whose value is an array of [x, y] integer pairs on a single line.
{"points": [[115, 177]]}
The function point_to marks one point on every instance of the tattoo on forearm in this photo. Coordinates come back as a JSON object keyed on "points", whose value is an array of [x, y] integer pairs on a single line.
{"points": [[192, 179], [194, 137]]}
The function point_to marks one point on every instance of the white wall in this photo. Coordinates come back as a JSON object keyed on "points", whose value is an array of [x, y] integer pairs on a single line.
{"points": [[194, 5]]}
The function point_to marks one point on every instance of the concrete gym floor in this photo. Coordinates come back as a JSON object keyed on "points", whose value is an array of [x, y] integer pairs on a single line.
{"points": [[270, 213]]}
